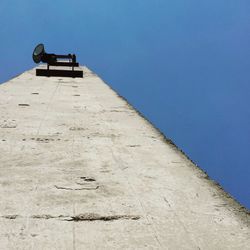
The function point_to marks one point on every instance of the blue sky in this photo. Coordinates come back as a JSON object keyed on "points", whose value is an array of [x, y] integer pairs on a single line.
{"points": [[184, 64]]}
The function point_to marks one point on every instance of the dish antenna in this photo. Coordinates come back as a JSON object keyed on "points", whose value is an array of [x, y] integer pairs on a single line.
{"points": [[40, 55]]}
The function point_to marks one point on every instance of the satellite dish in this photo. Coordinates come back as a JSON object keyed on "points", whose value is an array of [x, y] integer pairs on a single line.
{"points": [[38, 53]]}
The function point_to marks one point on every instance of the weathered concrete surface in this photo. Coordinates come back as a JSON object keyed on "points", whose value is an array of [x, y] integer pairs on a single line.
{"points": [[80, 169]]}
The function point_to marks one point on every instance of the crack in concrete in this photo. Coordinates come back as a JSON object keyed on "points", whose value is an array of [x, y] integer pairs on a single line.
{"points": [[77, 218], [10, 217], [76, 188], [94, 217], [23, 104], [88, 179]]}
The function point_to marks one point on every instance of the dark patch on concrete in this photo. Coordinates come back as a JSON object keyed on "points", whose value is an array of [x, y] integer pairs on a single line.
{"points": [[35, 93], [77, 218], [44, 140], [87, 178], [23, 104], [76, 128], [77, 188], [97, 217], [44, 216], [10, 217], [8, 126]]}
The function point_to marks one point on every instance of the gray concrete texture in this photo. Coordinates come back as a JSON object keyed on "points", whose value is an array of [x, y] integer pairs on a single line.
{"points": [[81, 169]]}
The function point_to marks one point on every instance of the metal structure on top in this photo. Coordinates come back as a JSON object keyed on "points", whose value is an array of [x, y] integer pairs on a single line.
{"points": [[39, 55]]}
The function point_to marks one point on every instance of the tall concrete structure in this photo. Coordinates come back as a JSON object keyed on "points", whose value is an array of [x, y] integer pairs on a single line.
{"points": [[81, 169]]}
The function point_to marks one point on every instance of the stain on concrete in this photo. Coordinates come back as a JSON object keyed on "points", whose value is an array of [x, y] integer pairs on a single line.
{"points": [[10, 217], [87, 178], [77, 218], [97, 217], [76, 128], [23, 104], [77, 188]]}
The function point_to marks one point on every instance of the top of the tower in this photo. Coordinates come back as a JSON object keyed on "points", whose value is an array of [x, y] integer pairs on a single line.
{"points": [[69, 60]]}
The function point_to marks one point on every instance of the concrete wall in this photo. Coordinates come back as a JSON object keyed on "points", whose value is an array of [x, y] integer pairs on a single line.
{"points": [[80, 169]]}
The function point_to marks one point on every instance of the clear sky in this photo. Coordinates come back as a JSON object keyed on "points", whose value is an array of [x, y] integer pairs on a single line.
{"points": [[184, 64]]}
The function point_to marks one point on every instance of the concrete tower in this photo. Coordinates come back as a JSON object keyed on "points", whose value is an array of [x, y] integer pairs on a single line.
{"points": [[81, 169]]}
